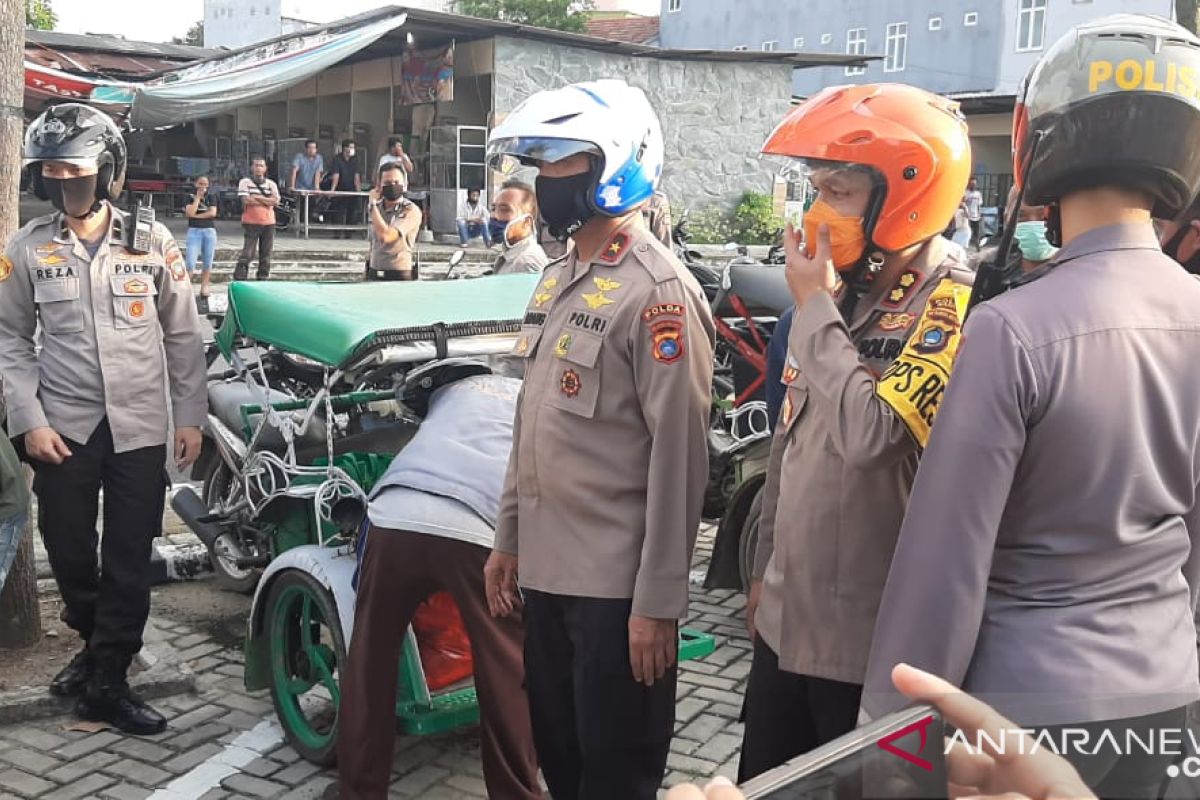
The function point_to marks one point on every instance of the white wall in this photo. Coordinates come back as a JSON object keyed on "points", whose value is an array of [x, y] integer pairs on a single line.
{"points": [[1061, 16]]}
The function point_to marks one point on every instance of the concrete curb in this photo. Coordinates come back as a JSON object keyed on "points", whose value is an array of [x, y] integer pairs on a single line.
{"points": [[163, 679]]}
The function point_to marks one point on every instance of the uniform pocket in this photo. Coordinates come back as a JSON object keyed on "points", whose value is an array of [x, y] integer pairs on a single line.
{"points": [[527, 341], [58, 305], [133, 300], [577, 371]]}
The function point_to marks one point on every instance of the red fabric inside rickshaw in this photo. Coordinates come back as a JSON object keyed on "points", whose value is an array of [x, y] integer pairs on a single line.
{"points": [[442, 641]]}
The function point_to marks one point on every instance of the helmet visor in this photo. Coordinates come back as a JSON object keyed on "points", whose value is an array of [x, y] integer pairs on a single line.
{"points": [[846, 186], [531, 150]]}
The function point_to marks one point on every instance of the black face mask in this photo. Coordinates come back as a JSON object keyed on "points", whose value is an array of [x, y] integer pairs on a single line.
{"points": [[1171, 249], [393, 192], [75, 197], [564, 202]]}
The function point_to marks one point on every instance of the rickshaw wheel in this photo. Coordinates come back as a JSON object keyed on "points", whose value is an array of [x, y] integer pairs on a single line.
{"points": [[229, 575], [748, 541], [306, 654]]}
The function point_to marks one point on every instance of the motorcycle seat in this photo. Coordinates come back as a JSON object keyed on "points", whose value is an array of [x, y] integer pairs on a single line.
{"points": [[225, 400], [762, 287]]}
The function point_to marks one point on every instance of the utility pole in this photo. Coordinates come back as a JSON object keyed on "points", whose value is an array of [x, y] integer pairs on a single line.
{"points": [[20, 621]]}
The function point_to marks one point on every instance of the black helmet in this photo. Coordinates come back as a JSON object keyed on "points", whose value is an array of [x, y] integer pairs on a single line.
{"points": [[1113, 102], [81, 135]]}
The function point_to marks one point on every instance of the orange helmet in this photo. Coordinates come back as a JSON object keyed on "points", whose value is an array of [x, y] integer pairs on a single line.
{"points": [[914, 141]]}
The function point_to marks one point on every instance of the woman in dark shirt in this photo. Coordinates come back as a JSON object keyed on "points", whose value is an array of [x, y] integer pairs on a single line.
{"points": [[201, 237]]}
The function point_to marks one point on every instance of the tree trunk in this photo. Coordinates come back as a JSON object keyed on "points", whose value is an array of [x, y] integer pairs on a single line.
{"points": [[20, 623], [1186, 13]]}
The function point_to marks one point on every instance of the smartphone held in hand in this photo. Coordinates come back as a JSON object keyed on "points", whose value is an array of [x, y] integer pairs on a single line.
{"points": [[897, 757]]}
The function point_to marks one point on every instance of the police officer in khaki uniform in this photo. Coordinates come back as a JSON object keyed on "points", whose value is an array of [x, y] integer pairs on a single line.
{"points": [[844, 453], [607, 473], [118, 326], [658, 217], [395, 222], [1049, 561]]}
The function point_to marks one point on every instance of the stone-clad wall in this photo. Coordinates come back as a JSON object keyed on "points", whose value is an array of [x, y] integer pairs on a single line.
{"points": [[715, 116]]}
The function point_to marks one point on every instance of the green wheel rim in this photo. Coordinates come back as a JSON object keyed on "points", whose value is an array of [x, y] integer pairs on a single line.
{"points": [[301, 663]]}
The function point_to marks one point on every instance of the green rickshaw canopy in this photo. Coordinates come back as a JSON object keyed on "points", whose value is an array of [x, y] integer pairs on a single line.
{"points": [[338, 323]]}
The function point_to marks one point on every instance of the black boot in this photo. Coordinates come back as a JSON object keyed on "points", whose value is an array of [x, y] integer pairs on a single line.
{"points": [[202, 304], [241, 272], [74, 676], [108, 698]]}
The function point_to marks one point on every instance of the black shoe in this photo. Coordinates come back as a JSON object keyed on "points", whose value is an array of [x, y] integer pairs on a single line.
{"points": [[120, 707], [74, 676], [108, 698], [261, 276], [240, 273], [202, 305]]}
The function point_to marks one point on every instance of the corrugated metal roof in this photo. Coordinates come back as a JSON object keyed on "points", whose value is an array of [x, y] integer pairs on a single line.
{"points": [[115, 44], [463, 27]]}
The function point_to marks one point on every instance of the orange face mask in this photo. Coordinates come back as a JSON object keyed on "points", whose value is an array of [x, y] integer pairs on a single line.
{"points": [[846, 234]]}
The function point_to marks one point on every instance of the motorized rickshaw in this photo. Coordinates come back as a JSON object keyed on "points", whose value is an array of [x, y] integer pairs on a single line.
{"points": [[325, 385]]}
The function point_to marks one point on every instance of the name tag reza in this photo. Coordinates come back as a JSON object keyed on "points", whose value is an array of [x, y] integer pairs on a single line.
{"points": [[50, 273]]}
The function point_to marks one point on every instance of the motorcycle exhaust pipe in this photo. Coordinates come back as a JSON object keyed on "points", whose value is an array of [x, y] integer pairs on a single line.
{"points": [[191, 509]]}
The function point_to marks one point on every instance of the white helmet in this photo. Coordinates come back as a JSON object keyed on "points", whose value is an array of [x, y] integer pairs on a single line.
{"points": [[608, 118]]}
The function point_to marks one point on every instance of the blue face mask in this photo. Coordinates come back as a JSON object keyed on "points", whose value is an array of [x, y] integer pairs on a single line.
{"points": [[496, 229], [1031, 239]]}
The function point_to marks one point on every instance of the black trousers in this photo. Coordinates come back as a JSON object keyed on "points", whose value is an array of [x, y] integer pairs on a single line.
{"points": [[106, 603], [1134, 775], [261, 237], [787, 714], [599, 734], [347, 209]]}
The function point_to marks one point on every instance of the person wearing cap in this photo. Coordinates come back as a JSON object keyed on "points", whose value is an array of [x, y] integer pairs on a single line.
{"points": [[609, 462], [119, 335], [1049, 560], [878, 293]]}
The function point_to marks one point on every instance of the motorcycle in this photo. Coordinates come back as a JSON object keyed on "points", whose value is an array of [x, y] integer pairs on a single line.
{"points": [[327, 382], [746, 297]]}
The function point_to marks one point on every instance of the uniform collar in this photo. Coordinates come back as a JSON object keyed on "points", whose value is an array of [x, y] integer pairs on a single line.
{"points": [[514, 250], [1131, 236], [64, 235], [926, 264]]}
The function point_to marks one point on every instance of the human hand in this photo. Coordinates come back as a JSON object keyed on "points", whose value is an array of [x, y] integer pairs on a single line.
{"points": [[1017, 773], [187, 446], [720, 788], [653, 646], [500, 584], [752, 606], [808, 276], [44, 444], [376, 193]]}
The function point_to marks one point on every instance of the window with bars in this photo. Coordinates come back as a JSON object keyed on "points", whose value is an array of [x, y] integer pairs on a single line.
{"points": [[1031, 25], [895, 56], [771, 46], [856, 45], [674, 5]]}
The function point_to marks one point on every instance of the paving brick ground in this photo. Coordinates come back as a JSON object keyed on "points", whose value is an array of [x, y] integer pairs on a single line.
{"points": [[231, 736]]}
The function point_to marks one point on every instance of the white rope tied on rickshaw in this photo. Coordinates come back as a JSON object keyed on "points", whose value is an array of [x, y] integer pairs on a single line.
{"points": [[755, 417], [266, 476]]}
